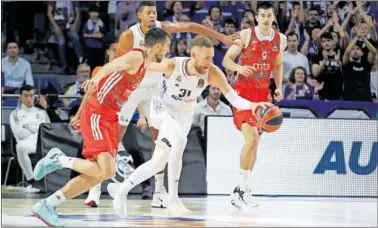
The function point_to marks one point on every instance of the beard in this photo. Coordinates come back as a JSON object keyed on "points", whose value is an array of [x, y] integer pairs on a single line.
{"points": [[200, 69], [159, 58]]}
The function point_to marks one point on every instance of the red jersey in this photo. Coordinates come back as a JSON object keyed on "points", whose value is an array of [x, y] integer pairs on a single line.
{"points": [[114, 89], [261, 55]]}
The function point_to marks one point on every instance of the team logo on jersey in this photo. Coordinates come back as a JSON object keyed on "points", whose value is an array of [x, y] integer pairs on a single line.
{"points": [[254, 43], [275, 47], [141, 43], [179, 78], [201, 83]]}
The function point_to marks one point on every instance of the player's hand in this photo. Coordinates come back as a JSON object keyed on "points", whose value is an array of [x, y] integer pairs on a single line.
{"points": [[75, 124], [245, 70], [89, 85], [278, 94], [256, 105], [142, 123]]}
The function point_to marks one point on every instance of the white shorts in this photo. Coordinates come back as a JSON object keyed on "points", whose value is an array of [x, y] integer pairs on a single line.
{"points": [[142, 96], [160, 110]]}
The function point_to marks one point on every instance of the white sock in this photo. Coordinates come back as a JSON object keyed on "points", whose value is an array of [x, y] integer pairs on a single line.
{"points": [[56, 198], [159, 181], [244, 179], [66, 162]]}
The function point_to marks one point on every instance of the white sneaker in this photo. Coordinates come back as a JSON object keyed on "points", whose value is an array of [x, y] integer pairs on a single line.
{"points": [[93, 199], [120, 205], [112, 189], [177, 209], [160, 198], [30, 189], [241, 199]]}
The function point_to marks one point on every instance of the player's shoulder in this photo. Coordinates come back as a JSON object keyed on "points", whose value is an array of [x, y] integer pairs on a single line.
{"points": [[126, 34]]}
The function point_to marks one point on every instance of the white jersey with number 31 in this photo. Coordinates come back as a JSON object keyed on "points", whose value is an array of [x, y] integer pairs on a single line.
{"points": [[181, 90]]}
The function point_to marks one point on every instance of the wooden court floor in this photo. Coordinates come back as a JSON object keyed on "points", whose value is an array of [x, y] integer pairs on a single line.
{"points": [[211, 211]]}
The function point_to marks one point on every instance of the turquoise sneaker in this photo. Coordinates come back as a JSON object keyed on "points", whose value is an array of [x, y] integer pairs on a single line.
{"points": [[46, 213], [48, 164]]}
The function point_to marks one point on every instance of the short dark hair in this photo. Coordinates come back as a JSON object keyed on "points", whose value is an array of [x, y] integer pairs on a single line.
{"points": [[312, 9], [155, 36], [264, 5], [26, 88], [214, 6], [142, 4], [293, 34], [326, 35], [93, 8], [12, 41], [231, 21], [296, 3]]}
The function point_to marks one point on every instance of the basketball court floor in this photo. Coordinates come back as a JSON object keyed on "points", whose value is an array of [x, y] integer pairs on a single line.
{"points": [[214, 211]]}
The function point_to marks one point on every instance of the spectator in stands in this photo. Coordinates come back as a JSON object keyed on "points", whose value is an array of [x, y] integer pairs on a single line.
{"points": [[310, 46], [93, 33], [210, 106], [215, 14], [83, 73], [24, 123], [298, 89], [245, 24], [2, 83], [181, 48], [357, 69], [296, 19], [292, 58], [230, 26], [17, 70], [229, 8], [64, 19], [125, 16], [339, 37], [249, 16], [198, 11], [374, 81], [326, 67], [177, 12], [313, 20]]}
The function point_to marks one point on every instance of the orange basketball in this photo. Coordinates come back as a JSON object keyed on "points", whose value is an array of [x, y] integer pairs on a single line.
{"points": [[269, 119]]}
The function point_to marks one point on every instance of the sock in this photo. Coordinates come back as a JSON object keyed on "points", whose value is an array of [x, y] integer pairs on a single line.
{"points": [[244, 179], [159, 181], [66, 162], [56, 198]]}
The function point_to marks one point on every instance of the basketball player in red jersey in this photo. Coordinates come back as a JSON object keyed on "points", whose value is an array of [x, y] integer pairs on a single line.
{"points": [[261, 50], [98, 124], [133, 38]]}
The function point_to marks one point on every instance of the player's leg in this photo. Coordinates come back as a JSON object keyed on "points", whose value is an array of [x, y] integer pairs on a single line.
{"points": [[46, 209], [244, 122], [179, 128]]}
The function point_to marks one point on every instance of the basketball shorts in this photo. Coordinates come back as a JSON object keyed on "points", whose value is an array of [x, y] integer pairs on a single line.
{"points": [[140, 96], [253, 95], [99, 129], [160, 110]]}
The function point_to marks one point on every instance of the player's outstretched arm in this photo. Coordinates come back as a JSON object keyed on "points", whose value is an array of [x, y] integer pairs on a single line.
{"points": [[166, 66], [216, 77], [197, 29], [125, 42], [231, 54]]}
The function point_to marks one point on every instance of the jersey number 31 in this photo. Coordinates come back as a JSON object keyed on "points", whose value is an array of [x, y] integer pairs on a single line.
{"points": [[185, 93]]}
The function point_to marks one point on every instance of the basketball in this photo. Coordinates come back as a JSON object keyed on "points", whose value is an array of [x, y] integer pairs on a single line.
{"points": [[269, 119]]}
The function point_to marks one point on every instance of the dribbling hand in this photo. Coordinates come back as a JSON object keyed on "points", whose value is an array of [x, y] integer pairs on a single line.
{"points": [[256, 105]]}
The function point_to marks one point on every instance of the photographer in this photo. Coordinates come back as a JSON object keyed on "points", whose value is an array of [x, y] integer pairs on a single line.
{"points": [[48, 101]]}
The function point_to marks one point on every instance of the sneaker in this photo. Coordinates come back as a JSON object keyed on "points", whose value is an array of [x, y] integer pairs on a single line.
{"points": [[176, 208], [120, 205], [112, 189], [160, 198], [46, 213], [93, 199], [241, 199], [30, 189], [48, 164], [146, 192]]}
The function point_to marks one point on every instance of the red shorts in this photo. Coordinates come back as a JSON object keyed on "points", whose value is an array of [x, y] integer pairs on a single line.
{"points": [[253, 95], [99, 129]]}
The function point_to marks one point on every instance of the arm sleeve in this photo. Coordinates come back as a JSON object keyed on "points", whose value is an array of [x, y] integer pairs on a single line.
{"points": [[16, 127], [237, 101], [28, 75]]}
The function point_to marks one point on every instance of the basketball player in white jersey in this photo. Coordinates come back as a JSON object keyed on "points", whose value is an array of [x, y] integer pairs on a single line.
{"points": [[172, 114], [134, 38]]}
